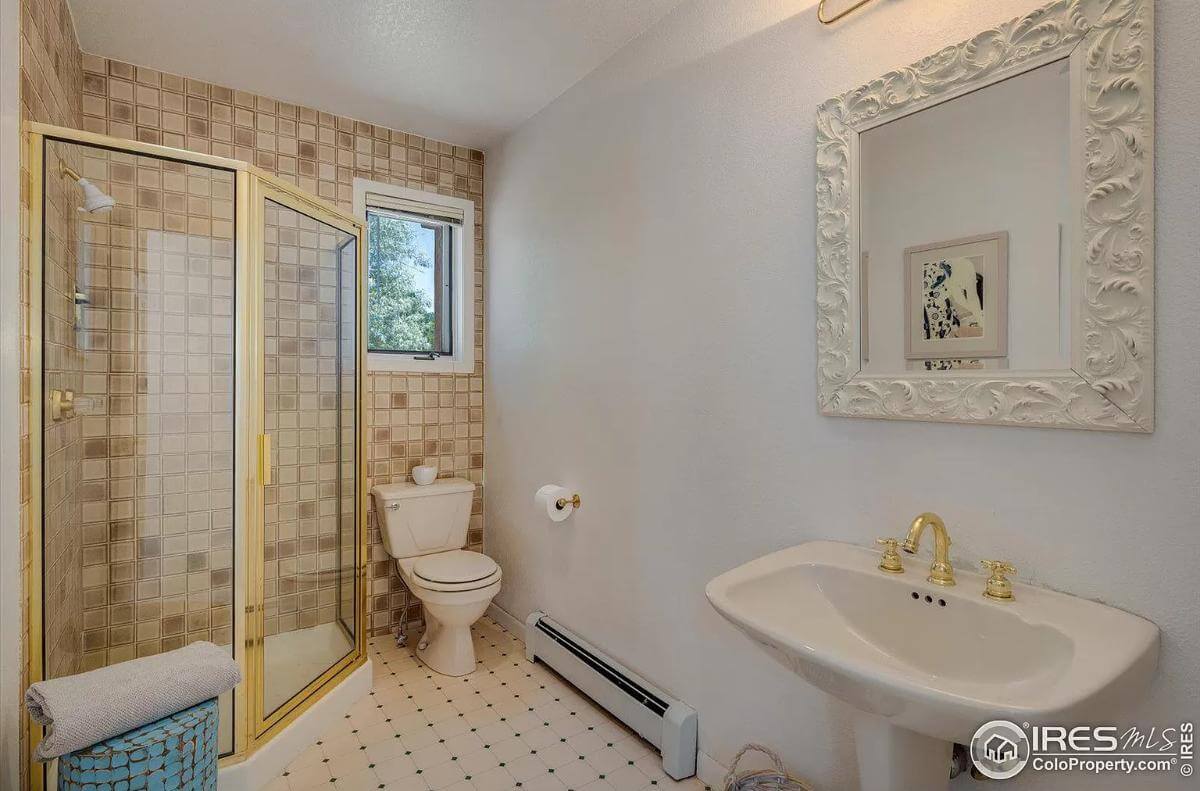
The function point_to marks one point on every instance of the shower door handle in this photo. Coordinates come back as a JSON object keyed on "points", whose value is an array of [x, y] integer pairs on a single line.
{"points": [[264, 459]]}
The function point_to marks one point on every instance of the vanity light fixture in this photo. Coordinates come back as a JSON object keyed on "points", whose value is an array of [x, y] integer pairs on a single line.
{"points": [[824, 20]]}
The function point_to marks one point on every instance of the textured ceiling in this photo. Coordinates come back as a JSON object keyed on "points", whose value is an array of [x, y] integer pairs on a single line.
{"points": [[466, 71]]}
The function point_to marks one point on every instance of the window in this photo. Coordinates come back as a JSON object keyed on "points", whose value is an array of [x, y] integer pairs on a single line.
{"points": [[409, 284], [419, 265]]}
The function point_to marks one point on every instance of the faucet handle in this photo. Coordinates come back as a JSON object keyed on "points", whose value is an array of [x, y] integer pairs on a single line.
{"points": [[890, 562], [998, 587]]}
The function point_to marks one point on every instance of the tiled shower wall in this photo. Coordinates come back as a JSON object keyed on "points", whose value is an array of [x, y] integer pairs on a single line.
{"points": [[156, 341], [50, 88], [411, 419]]}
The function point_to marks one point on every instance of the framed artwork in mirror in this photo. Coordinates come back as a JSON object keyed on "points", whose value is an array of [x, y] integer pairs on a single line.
{"points": [[956, 298]]}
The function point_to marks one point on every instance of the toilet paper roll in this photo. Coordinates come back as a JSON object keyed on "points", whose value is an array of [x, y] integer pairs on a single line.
{"points": [[547, 499]]}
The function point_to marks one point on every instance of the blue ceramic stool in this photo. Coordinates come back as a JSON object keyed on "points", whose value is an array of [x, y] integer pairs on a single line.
{"points": [[176, 752]]}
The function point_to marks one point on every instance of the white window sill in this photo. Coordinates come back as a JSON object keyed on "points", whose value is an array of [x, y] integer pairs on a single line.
{"points": [[404, 363]]}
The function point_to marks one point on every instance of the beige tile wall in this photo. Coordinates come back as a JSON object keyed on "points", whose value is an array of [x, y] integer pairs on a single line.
{"points": [[411, 419], [50, 91]]}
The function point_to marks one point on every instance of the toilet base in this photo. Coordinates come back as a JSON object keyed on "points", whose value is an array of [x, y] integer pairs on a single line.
{"points": [[446, 646], [446, 649]]}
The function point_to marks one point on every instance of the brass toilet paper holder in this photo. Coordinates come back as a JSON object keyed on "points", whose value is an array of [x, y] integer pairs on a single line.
{"points": [[562, 502]]}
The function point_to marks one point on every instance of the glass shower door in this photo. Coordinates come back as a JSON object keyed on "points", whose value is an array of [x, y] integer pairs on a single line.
{"points": [[310, 622], [139, 369], [187, 313]]}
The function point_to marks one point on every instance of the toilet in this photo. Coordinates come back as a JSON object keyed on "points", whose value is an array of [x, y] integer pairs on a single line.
{"points": [[424, 528]]}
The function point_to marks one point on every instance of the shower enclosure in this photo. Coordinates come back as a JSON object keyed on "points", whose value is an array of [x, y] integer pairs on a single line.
{"points": [[196, 364]]}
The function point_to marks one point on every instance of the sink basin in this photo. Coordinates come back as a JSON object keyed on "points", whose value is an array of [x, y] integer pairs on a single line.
{"points": [[927, 664]]}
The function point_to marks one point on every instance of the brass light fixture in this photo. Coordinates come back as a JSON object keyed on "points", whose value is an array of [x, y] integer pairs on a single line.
{"points": [[829, 20]]}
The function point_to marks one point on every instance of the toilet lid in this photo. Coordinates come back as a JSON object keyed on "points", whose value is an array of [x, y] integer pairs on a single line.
{"points": [[459, 566]]}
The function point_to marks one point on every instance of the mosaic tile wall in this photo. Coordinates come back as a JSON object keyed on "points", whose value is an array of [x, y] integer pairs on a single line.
{"points": [[411, 419], [50, 89]]}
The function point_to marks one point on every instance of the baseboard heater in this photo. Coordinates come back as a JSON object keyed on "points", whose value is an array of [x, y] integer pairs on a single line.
{"points": [[668, 724]]}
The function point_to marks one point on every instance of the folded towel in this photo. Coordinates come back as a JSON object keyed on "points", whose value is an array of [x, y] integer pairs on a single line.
{"points": [[90, 707]]}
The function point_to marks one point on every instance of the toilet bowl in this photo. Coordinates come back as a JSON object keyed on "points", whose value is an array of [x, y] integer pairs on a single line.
{"points": [[425, 528], [455, 589]]}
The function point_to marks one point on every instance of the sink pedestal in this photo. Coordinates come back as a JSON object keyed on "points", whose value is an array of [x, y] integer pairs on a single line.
{"points": [[896, 759]]}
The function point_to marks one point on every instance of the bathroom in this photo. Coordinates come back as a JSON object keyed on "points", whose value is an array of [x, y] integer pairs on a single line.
{"points": [[635, 213]]}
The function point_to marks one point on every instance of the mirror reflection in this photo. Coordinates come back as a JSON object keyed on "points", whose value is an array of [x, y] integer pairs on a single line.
{"points": [[966, 208]]}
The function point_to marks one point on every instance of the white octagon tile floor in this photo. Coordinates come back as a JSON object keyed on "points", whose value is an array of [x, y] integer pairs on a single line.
{"points": [[511, 724]]}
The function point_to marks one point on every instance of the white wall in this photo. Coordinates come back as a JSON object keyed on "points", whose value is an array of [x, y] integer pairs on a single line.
{"points": [[650, 292], [992, 160], [10, 421]]}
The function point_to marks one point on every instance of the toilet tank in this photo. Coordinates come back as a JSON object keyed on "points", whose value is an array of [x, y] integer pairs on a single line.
{"points": [[420, 520]]}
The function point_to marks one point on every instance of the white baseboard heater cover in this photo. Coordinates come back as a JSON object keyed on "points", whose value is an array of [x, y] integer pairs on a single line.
{"points": [[668, 724]]}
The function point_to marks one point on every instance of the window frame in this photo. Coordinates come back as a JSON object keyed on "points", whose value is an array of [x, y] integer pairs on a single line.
{"points": [[462, 273]]}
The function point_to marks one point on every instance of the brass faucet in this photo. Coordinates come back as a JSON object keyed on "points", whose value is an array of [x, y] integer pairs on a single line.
{"points": [[941, 572], [998, 587]]}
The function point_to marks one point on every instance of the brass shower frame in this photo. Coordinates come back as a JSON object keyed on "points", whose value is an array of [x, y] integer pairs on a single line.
{"points": [[253, 726]]}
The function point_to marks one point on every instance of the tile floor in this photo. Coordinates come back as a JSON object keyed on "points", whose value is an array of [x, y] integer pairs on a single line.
{"points": [[510, 724]]}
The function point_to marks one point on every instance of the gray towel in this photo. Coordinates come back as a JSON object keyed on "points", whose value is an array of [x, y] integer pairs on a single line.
{"points": [[90, 707]]}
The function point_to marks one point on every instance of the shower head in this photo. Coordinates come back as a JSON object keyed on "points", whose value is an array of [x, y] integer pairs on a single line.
{"points": [[95, 200]]}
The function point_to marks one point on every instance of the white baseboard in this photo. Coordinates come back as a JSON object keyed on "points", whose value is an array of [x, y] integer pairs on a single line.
{"points": [[710, 772], [509, 622], [708, 769], [269, 761]]}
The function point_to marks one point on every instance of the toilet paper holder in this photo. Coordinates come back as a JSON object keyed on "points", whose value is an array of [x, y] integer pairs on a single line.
{"points": [[573, 501]]}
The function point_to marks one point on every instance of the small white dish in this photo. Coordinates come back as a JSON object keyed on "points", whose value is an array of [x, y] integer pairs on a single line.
{"points": [[424, 474]]}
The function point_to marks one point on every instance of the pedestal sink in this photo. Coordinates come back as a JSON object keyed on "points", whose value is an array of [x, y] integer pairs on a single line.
{"points": [[926, 665]]}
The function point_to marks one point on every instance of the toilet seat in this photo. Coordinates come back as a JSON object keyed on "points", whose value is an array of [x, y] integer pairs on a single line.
{"points": [[456, 570]]}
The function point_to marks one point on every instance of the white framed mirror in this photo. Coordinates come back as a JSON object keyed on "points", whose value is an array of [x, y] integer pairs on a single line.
{"points": [[985, 229]]}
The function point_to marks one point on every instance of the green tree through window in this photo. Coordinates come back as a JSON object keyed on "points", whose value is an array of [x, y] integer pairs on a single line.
{"points": [[400, 311]]}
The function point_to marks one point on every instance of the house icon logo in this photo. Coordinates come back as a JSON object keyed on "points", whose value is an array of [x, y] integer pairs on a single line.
{"points": [[1000, 749]]}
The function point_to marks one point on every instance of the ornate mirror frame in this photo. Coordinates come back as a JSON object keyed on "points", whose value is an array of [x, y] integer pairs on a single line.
{"points": [[1110, 384]]}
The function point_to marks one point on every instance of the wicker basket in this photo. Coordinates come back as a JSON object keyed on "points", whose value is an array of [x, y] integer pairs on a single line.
{"points": [[774, 779], [176, 753]]}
